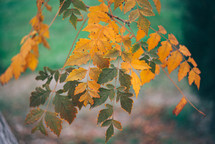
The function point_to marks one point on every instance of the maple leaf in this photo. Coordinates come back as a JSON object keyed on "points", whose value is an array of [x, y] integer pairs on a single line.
{"points": [[78, 59], [180, 106], [53, 122], [64, 106], [77, 74], [146, 76], [183, 70], [164, 50], [174, 61], [34, 115], [153, 41], [135, 81]]}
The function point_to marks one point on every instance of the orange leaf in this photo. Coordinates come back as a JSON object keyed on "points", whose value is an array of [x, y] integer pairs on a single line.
{"points": [[140, 34], [162, 30], [183, 70], [183, 49], [135, 81], [146, 76], [172, 39], [180, 106], [158, 5], [164, 50], [174, 61], [153, 41], [194, 77], [192, 61]]}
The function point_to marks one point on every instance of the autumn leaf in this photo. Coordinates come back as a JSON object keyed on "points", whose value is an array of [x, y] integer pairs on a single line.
{"points": [[40, 127], [135, 81], [124, 79], [80, 88], [164, 50], [77, 74], [183, 70], [140, 34], [174, 61], [100, 61], [104, 94], [117, 3], [85, 98], [53, 122], [194, 77], [134, 15], [183, 49], [94, 73], [113, 53], [180, 106], [139, 65], [172, 39], [78, 59], [192, 61], [129, 5], [107, 74], [34, 115], [162, 30], [144, 24], [146, 76], [153, 41], [158, 5]]}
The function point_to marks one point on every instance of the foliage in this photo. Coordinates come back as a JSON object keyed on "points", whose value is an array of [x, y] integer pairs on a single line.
{"points": [[116, 57]]}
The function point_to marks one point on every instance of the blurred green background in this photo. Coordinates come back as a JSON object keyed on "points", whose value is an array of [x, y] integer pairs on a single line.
{"points": [[192, 22]]}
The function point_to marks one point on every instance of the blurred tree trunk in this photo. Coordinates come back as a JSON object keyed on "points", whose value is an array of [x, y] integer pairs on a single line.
{"points": [[6, 136], [199, 32]]}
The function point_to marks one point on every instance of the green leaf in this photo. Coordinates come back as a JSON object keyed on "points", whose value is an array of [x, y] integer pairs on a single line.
{"points": [[79, 4], [117, 124], [33, 115], [39, 96], [124, 79], [134, 15], [66, 5], [157, 61], [104, 93], [64, 106], [125, 101], [70, 87], [75, 100], [40, 127], [53, 122], [110, 86], [109, 133], [67, 13], [113, 53], [105, 113], [144, 3], [144, 24], [107, 74], [73, 20], [153, 66], [143, 44], [56, 75], [63, 77], [76, 11], [106, 123], [135, 47]]}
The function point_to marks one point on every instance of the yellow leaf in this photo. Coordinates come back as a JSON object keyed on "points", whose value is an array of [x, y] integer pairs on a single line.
{"points": [[158, 5], [80, 88], [146, 76], [135, 81], [78, 59], [77, 74], [157, 69], [183, 70], [172, 39], [192, 61], [126, 56], [6, 76], [137, 54], [153, 41], [174, 61], [183, 49], [139, 65], [27, 47], [94, 73], [164, 50], [94, 94], [18, 63], [86, 98], [44, 30], [196, 70], [180, 106], [194, 77], [82, 45], [129, 4], [162, 30], [126, 66], [32, 61], [100, 61], [93, 85], [140, 34], [126, 41]]}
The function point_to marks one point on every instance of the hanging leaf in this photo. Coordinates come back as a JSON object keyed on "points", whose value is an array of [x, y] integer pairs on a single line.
{"points": [[174, 61], [144, 24], [146, 76], [125, 101], [153, 41], [105, 114], [129, 4], [183, 70], [164, 50], [34, 115], [117, 124], [180, 106], [40, 127], [104, 94], [162, 30], [172, 39], [109, 133], [53, 122], [183, 49], [100, 61], [107, 74], [78, 59], [194, 77], [77, 74], [140, 34], [158, 5], [135, 81], [124, 79]]}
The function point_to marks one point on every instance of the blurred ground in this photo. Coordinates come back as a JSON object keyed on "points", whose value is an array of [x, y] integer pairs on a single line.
{"points": [[151, 121]]}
